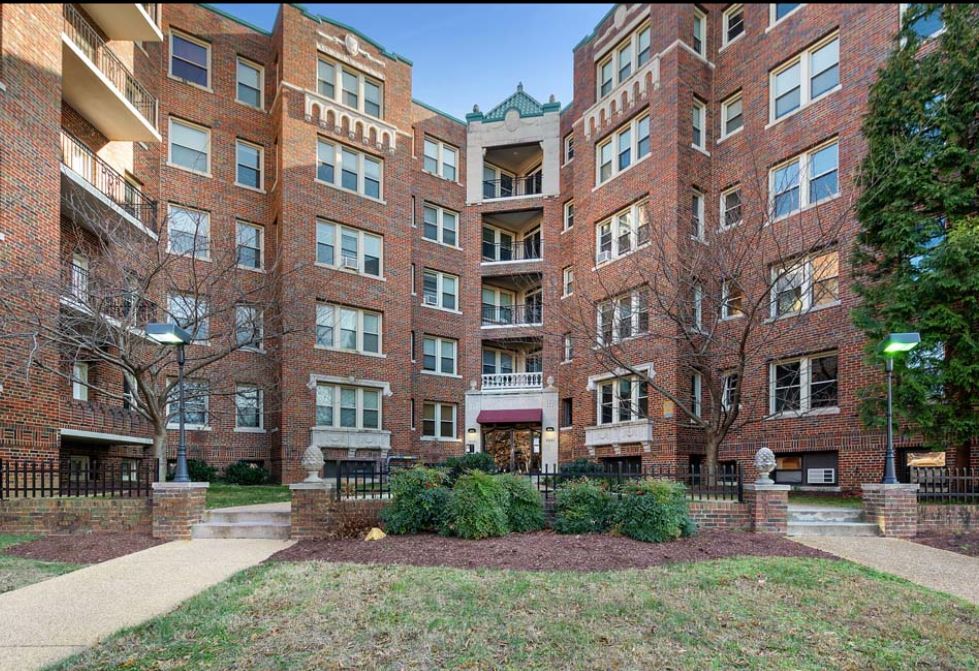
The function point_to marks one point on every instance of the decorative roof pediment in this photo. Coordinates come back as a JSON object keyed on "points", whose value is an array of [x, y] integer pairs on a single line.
{"points": [[525, 105]]}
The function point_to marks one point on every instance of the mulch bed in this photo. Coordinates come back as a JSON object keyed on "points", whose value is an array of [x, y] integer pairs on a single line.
{"points": [[546, 551], [83, 548], [964, 543]]}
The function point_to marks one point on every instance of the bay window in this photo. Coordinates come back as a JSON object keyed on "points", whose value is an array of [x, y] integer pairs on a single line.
{"points": [[347, 407]]}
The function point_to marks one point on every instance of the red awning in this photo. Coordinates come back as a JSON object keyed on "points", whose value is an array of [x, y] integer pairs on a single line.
{"points": [[510, 416]]}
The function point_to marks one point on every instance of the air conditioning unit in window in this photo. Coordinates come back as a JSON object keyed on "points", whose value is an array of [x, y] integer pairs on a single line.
{"points": [[821, 476], [431, 300], [350, 263], [603, 257]]}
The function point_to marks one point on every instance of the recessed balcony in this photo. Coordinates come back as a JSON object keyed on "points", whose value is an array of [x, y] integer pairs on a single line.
{"points": [[134, 21], [97, 84], [531, 314], [513, 171]]}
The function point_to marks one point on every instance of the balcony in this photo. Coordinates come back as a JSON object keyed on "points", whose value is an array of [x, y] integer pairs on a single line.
{"points": [[509, 252], [531, 314], [512, 187], [117, 307], [514, 381], [93, 193], [97, 84], [134, 21]]}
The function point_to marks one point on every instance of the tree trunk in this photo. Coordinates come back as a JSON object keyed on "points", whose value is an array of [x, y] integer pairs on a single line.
{"points": [[710, 455], [160, 451]]}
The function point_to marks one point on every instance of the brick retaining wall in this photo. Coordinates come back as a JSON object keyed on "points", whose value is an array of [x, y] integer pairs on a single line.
{"points": [[317, 514], [729, 515], [75, 514], [947, 518]]}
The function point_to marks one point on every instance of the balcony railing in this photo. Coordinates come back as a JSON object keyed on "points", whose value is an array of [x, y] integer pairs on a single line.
{"points": [[512, 187], [93, 46], [107, 181], [512, 381], [526, 250], [512, 315], [120, 305]]}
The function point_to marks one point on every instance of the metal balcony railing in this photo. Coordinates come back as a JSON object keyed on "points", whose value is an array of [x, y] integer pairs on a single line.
{"points": [[526, 250], [93, 46], [107, 181], [512, 315], [511, 187], [512, 381], [122, 305]]}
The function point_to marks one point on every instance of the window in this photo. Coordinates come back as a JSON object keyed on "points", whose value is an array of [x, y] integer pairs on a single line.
{"points": [[440, 159], [624, 232], [440, 355], [568, 281], [196, 393], [627, 57], [498, 307], [806, 78], [249, 409], [569, 215], [733, 23], [250, 239], [189, 232], [699, 32], [189, 313], [731, 207], [925, 24], [439, 420], [732, 300], [79, 381], [440, 289], [79, 278], [359, 172], [250, 83], [569, 147], [348, 248], [249, 327], [498, 183], [696, 391], [628, 145], [623, 399], [698, 117], [805, 180], [730, 389], [359, 91], [804, 284], [782, 9], [190, 146], [349, 329], [346, 407], [624, 316], [567, 412], [248, 165], [568, 347], [732, 119], [497, 362], [698, 306], [440, 225], [802, 385], [190, 59]]}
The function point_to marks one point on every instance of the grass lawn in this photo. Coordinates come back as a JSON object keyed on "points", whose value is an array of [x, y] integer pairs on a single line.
{"points": [[221, 495], [801, 499], [745, 613], [17, 572]]}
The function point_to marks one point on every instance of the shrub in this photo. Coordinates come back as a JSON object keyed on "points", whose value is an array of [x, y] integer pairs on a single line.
{"points": [[525, 511], [653, 511], [474, 461], [244, 473], [583, 506], [581, 467], [199, 471], [419, 500], [477, 507]]}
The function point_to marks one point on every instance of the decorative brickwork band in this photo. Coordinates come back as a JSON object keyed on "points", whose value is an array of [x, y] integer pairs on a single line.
{"points": [[176, 508], [768, 506], [894, 508]]}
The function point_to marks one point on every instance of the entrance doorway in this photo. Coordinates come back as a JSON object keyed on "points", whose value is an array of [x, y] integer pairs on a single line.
{"points": [[515, 448]]}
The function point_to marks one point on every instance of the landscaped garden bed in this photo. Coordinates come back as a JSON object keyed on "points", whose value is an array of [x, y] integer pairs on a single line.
{"points": [[964, 543]]}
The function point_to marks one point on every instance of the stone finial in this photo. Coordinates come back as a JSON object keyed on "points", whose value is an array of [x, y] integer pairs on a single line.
{"points": [[552, 99], [764, 464], [312, 462], [476, 109], [472, 384], [519, 87]]}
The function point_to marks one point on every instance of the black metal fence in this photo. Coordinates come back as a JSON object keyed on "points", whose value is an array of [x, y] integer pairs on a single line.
{"points": [[364, 479], [946, 485], [107, 478]]}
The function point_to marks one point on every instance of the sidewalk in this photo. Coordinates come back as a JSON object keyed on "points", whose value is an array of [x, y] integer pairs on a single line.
{"points": [[50, 620], [940, 570]]}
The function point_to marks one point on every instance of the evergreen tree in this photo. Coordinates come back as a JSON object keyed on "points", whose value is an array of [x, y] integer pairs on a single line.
{"points": [[917, 256]]}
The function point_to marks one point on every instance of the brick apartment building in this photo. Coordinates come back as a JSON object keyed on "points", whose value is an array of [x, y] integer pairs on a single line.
{"points": [[443, 258]]}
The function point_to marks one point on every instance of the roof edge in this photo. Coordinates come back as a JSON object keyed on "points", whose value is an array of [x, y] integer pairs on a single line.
{"points": [[436, 110], [590, 36], [377, 45], [231, 17]]}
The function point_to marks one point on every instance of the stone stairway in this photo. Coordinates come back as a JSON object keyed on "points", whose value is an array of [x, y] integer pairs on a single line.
{"points": [[246, 522], [827, 521]]}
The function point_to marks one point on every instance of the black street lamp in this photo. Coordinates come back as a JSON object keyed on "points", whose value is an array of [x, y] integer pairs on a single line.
{"points": [[172, 335], [896, 343]]}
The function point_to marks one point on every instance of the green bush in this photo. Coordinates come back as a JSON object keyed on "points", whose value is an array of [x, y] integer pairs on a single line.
{"points": [[477, 507], [525, 511], [244, 473], [583, 506], [581, 467], [199, 471], [653, 511], [473, 461], [419, 501]]}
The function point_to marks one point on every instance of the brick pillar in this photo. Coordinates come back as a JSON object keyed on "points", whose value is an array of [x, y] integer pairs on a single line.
{"points": [[894, 508], [312, 505], [177, 507], [768, 508]]}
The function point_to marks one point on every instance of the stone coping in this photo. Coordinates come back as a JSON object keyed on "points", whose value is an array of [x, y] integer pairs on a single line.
{"points": [[180, 485]]}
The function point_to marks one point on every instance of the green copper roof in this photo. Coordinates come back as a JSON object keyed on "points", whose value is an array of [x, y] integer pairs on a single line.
{"points": [[525, 104]]}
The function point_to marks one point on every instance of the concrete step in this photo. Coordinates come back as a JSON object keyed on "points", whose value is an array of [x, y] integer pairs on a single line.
{"points": [[242, 516], [240, 530], [825, 514], [833, 529]]}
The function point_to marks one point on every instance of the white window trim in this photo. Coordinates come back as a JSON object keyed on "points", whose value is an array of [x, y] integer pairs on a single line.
{"points": [[703, 38], [903, 9], [808, 272], [701, 109], [733, 98], [361, 254], [722, 224], [440, 224], [197, 301], [180, 121], [698, 307], [568, 145], [805, 387], [439, 405], [261, 242], [261, 165], [261, 83], [79, 381], [261, 330], [198, 41], [696, 403], [206, 218], [617, 402], [360, 332], [261, 409], [440, 277], [361, 172], [207, 408], [772, 21], [725, 307], [803, 160], [725, 401], [567, 279], [701, 235], [440, 147], [635, 302], [803, 59], [359, 406], [439, 340], [616, 253], [613, 138], [630, 43], [725, 24], [338, 68], [564, 224], [568, 351]]}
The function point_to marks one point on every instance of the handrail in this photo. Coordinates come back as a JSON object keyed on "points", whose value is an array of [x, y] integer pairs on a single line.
{"points": [[512, 315], [526, 380], [512, 187], [518, 250]]}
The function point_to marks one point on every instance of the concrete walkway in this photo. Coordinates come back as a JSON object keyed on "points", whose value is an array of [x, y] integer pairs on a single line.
{"points": [[50, 620], [280, 507], [941, 570]]}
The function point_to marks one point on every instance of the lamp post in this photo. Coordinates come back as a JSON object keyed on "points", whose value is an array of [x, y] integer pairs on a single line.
{"points": [[172, 335], [894, 344]]}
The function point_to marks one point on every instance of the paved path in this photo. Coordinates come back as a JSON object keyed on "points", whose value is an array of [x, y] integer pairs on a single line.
{"points": [[940, 570], [50, 620]]}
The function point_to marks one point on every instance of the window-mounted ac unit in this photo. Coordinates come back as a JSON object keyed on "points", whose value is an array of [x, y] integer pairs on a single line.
{"points": [[431, 300], [350, 263], [603, 257], [821, 476]]}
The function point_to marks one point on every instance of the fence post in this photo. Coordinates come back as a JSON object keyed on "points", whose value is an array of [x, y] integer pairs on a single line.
{"points": [[338, 462]]}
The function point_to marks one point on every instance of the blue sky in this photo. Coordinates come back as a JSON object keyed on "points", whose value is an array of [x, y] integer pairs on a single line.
{"points": [[465, 54]]}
